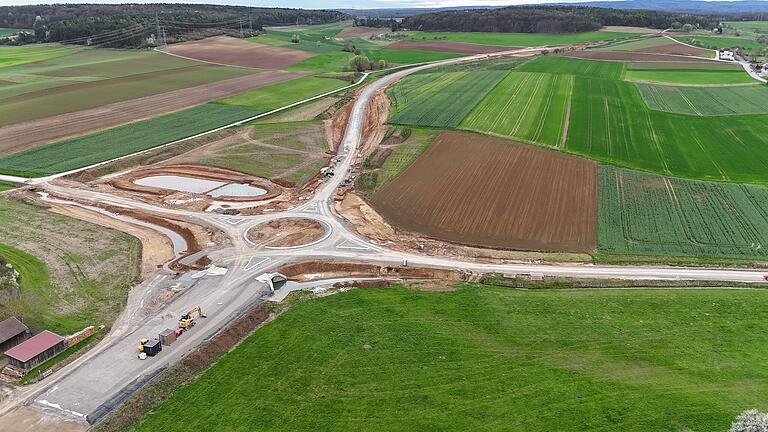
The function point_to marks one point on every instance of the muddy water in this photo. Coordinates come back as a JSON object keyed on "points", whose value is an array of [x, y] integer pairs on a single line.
{"points": [[238, 190], [179, 244], [179, 183]]}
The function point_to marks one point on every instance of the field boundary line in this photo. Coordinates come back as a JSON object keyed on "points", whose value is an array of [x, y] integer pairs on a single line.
{"points": [[567, 122]]}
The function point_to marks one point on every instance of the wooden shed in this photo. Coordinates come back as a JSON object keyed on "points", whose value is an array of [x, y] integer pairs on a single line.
{"points": [[12, 333], [36, 350]]}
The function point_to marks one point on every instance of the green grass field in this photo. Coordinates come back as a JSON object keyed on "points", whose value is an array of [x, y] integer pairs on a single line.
{"points": [[401, 57], [4, 185], [440, 99], [11, 55], [520, 39], [706, 101], [488, 359], [637, 45], [577, 67], [683, 76], [531, 107], [746, 28], [334, 61], [647, 214], [293, 151], [281, 94], [72, 273], [122, 140]]}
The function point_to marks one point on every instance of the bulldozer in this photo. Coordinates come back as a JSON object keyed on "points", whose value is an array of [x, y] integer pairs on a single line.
{"points": [[188, 319]]}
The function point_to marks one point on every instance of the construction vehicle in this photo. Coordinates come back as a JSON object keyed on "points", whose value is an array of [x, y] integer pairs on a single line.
{"points": [[188, 319], [149, 347]]}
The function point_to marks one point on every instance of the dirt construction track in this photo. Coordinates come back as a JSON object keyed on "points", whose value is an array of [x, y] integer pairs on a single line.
{"points": [[493, 192], [20, 136], [237, 52]]}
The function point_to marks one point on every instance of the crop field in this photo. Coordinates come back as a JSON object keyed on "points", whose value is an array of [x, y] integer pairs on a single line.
{"points": [[400, 359], [408, 56], [569, 66], [238, 52], [90, 94], [611, 122], [636, 45], [120, 141], [486, 191], [519, 39], [706, 101], [325, 62], [746, 28], [73, 273], [675, 65], [634, 56], [440, 99], [647, 214], [527, 106], [446, 46], [277, 95], [11, 55], [689, 76], [714, 42]]}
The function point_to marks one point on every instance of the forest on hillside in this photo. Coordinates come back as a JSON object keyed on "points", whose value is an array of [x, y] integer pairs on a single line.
{"points": [[551, 19], [132, 25]]}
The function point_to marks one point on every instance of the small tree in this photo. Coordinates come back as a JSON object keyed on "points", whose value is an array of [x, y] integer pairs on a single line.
{"points": [[359, 63], [382, 64], [349, 46], [750, 421], [295, 38]]}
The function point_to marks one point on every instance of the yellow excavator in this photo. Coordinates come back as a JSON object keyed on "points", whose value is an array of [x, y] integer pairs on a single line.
{"points": [[188, 319]]}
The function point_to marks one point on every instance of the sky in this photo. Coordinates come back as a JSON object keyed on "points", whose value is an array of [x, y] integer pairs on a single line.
{"points": [[312, 4]]}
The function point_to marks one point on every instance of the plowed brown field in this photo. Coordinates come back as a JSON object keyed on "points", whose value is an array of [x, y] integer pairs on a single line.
{"points": [[19, 136], [631, 56], [361, 31], [675, 48], [449, 47], [494, 192], [237, 52]]}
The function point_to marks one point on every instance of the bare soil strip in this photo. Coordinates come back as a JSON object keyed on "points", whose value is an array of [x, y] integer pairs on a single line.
{"points": [[633, 56], [361, 31], [484, 191], [237, 52], [449, 47], [20, 136], [289, 232], [675, 48]]}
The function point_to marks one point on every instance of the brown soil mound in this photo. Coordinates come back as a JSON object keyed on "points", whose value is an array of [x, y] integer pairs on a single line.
{"points": [[361, 31], [631, 56], [493, 192], [675, 48], [237, 52], [350, 269], [20, 136], [286, 232], [449, 47]]}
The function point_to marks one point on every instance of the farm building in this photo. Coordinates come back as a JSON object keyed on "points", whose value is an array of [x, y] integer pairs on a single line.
{"points": [[36, 350], [12, 332]]}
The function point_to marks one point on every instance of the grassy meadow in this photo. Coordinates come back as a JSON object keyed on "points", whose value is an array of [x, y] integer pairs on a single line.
{"points": [[72, 273], [277, 95], [520, 39], [488, 358], [682, 76], [706, 101]]}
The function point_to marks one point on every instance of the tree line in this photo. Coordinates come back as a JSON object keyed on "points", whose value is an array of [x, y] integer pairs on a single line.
{"points": [[551, 19], [135, 25]]}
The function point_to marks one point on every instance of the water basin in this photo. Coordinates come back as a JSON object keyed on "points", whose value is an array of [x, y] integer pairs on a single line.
{"points": [[238, 190], [179, 183]]}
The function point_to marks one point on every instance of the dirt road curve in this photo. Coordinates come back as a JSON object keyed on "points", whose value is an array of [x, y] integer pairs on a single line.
{"points": [[24, 135]]}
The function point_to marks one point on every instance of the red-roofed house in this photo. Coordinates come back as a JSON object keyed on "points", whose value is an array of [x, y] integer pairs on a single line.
{"points": [[36, 350]]}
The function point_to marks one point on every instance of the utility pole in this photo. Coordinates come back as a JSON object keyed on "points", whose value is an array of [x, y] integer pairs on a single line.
{"points": [[241, 26], [250, 23], [157, 24]]}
